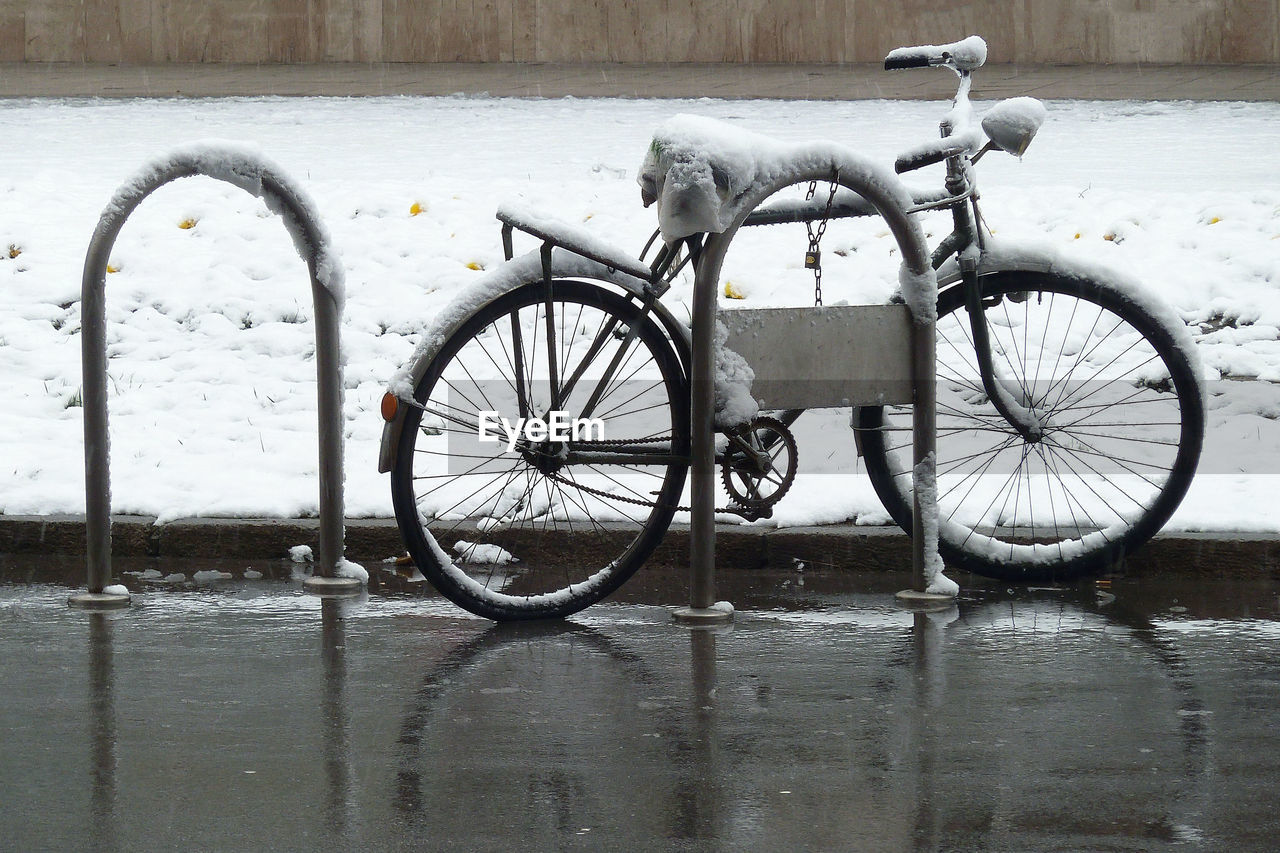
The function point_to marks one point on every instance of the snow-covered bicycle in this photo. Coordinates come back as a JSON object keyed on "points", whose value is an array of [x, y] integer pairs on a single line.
{"points": [[540, 439]]}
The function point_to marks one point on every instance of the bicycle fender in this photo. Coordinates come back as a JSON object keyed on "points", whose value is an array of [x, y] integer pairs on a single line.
{"points": [[1003, 258], [999, 257], [514, 274]]}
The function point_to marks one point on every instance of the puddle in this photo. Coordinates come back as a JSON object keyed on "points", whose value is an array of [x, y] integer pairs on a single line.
{"points": [[247, 713]]}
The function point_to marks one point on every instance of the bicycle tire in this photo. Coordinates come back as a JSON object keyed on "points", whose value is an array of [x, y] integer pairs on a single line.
{"points": [[534, 536], [1124, 416]]}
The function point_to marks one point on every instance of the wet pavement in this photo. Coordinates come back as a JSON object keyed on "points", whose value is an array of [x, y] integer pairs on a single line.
{"points": [[221, 714]]}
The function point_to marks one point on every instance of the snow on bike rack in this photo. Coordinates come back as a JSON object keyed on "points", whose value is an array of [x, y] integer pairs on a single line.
{"points": [[707, 177], [247, 169]]}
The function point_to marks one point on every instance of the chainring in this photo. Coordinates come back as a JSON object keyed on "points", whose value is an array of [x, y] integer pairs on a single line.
{"points": [[759, 466]]}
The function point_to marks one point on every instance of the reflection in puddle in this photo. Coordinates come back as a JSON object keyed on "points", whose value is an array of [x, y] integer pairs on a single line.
{"points": [[822, 718], [102, 725]]}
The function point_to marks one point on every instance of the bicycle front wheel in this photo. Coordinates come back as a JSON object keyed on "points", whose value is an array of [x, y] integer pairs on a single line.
{"points": [[547, 452], [1123, 423]]}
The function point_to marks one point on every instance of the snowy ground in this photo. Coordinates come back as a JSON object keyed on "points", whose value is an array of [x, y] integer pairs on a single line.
{"points": [[212, 378]]}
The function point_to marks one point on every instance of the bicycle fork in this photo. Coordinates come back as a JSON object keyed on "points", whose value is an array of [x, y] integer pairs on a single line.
{"points": [[966, 236], [1021, 418]]}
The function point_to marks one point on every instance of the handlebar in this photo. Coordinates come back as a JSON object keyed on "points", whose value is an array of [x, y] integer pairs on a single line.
{"points": [[1009, 126], [928, 154], [965, 55], [895, 63]]}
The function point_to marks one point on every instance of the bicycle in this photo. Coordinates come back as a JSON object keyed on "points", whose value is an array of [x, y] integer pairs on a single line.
{"points": [[542, 429]]}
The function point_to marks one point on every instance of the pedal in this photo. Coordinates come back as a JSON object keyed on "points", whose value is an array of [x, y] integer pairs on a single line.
{"points": [[749, 513]]}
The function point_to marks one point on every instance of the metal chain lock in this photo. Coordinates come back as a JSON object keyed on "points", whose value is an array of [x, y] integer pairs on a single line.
{"points": [[813, 256]]}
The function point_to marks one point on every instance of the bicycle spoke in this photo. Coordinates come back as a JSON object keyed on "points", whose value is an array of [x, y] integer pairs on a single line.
{"points": [[1052, 468], [1084, 358], [1084, 481], [533, 505]]}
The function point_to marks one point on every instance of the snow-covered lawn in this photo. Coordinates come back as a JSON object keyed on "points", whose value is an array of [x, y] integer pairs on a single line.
{"points": [[212, 378]]}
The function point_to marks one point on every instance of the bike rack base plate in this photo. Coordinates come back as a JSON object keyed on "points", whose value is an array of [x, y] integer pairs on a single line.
{"points": [[99, 600], [702, 616], [914, 599], [332, 586]]}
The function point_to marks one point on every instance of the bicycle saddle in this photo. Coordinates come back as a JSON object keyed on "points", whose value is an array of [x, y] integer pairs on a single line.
{"points": [[697, 170]]}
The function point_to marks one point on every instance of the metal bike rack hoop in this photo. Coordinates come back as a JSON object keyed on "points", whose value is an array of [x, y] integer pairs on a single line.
{"points": [[249, 171], [891, 201]]}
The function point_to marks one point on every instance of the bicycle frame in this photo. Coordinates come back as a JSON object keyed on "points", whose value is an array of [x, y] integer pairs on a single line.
{"points": [[646, 284]]}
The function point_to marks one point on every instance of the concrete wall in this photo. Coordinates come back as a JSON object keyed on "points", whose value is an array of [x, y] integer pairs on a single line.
{"points": [[1024, 31]]}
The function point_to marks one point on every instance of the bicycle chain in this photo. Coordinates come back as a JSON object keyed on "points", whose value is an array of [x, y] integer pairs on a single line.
{"points": [[600, 493]]}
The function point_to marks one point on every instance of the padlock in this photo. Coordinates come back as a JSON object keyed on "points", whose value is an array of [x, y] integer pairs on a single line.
{"points": [[812, 259]]}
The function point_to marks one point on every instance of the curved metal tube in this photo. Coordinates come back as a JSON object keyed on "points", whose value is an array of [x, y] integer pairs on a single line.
{"points": [[252, 174], [892, 202]]}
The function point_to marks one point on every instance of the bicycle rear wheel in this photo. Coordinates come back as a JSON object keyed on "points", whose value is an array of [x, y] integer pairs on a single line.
{"points": [[543, 521], [1124, 423]]}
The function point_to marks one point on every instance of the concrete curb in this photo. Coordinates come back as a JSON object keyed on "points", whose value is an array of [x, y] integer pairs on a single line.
{"points": [[843, 547]]}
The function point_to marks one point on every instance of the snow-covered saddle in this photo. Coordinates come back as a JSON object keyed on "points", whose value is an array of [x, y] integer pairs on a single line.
{"points": [[699, 171]]}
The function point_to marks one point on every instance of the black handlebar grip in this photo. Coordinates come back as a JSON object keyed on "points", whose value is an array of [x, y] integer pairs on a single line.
{"points": [[894, 63], [919, 159]]}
